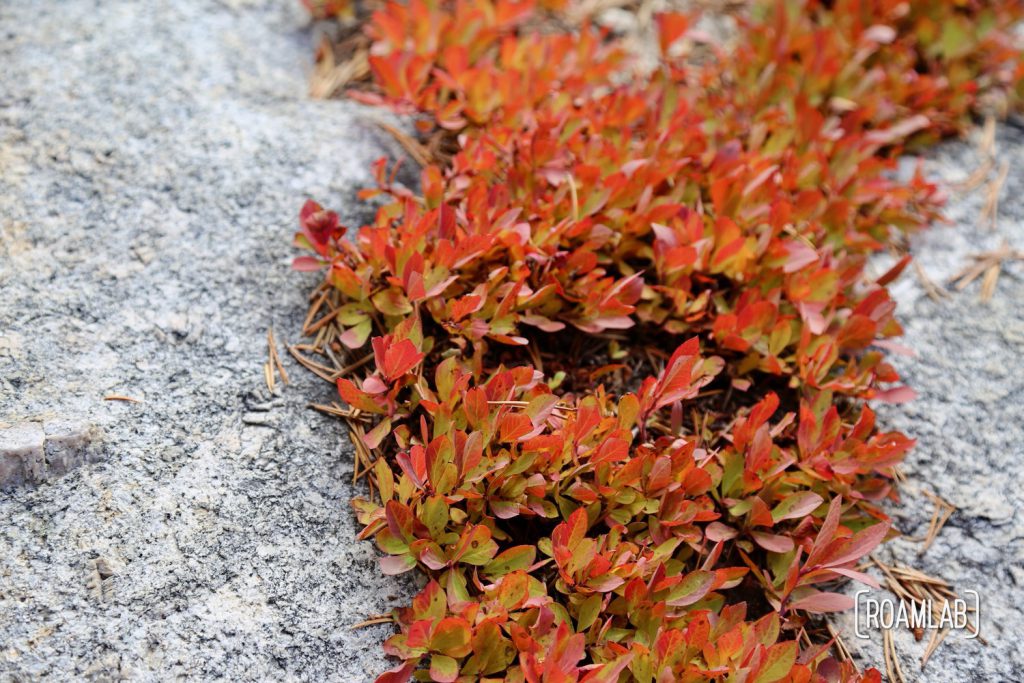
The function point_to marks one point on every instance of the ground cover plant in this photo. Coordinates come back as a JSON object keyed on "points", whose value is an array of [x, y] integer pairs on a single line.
{"points": [[609, 365]]}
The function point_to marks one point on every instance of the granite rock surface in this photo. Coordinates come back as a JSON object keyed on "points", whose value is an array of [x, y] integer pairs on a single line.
{"points": [[968, 420], [153, 158]]}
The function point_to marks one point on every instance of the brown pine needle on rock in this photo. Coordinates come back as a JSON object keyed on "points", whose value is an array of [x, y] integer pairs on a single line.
{"points": [[988, 282], [321, 371], [268, 375], [987, 265], [274, 357], [313, 309], [912, 585], [987, 143], [419, 153], [975, 180], [934, 292], [991, 210], [355, 365], [323, 321], [338, 411], [938, 635], [841, 649], [377, 619], [363, 457], [119, 397], [943, 511], [329, 77], [892, 661]]}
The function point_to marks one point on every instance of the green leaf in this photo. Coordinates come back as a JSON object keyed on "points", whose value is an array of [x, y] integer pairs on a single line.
{"points": [[385, 479], [392, 302], [451, 637], [519, 557], [692, 588], [797, 505], [443, 669], [373, 437], [352, 314], [435, 515], [777, 663], [355, 336], [588, 611], [479, 547]]}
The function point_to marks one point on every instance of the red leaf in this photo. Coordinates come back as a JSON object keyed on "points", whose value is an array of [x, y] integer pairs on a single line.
{"points": [[716, 531], [671, 27], [900, 394], [856, 576], [800, 256], [319, 225], [356, 398], [394, 359], [373, 385], [400, 674], [773, 542], [893, 272], [373, 437], [857, 546], [820, 603], [796, 505], [307, 263], [827, 531], [396, 564]]}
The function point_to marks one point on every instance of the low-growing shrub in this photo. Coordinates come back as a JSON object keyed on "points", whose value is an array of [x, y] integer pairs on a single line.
{"points": [[623, 338]]}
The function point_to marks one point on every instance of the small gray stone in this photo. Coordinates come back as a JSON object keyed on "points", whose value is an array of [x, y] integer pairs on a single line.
{"points": [[32, 452], [21, 453], [70, 444]]}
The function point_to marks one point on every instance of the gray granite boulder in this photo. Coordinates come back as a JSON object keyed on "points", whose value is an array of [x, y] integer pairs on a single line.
{"points": [[968, 420], [153, 158]]}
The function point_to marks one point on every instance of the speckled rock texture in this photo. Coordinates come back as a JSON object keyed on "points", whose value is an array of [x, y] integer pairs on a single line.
{"points": [[153, 158], [969, 423]]}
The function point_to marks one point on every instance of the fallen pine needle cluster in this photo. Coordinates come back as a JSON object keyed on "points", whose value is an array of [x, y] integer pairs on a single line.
{"points": [[608, 366]]}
